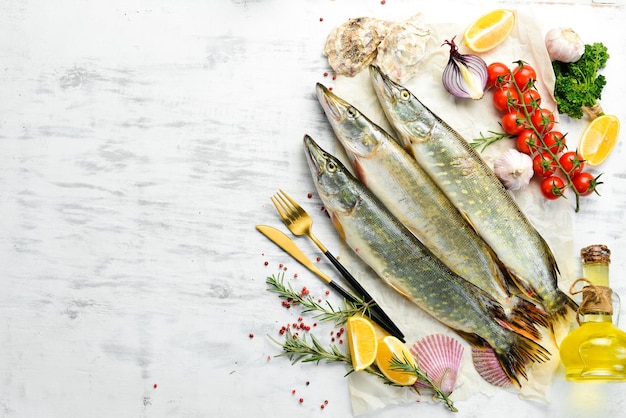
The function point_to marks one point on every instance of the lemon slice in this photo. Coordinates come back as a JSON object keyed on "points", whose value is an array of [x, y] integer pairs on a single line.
{"points": [[387, 347], [489, 30], [362, 342], [598, 139]]}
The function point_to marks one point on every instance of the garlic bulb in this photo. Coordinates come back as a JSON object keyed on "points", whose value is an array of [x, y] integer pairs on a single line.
{"points": [[514, 169], [563, 44]]}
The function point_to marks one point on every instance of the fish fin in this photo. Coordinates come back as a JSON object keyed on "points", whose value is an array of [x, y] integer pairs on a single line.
{"points": [[359, 171], [398, 289], [525, 317], [337, 224]]}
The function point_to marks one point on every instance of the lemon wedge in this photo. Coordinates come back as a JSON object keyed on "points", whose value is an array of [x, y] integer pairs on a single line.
{"points": [[490, 30], [362, 342], [388, 347], [598, 139]]}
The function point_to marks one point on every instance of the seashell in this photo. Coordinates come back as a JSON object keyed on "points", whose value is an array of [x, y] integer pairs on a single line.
{"points": [[353, 45], [404, 47], [489, 368], [439, 356]]}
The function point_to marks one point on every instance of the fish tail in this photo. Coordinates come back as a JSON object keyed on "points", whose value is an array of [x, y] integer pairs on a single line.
{"points": [[560, 306], [525, 317], [504, 367]]}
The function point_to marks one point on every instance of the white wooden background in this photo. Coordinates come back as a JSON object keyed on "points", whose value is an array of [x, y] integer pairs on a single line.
{"points": [[139, 144]]}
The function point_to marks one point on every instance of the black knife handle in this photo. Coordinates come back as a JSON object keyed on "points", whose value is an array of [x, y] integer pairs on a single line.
{"points": [[363, 293], [374, 315]]}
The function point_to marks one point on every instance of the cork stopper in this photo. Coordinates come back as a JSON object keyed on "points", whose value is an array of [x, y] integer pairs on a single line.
{"points": [[597, 253]]}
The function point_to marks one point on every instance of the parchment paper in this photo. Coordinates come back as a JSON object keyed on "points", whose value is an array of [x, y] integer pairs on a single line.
{"points": [[553, 219]]}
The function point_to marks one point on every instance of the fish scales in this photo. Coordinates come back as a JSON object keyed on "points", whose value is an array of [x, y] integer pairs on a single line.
{"points": [[475, 190], [401, 260]]}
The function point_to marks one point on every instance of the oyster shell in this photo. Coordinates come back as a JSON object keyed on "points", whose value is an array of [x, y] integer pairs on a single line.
{"points": [[404, 47], [353, 45]]}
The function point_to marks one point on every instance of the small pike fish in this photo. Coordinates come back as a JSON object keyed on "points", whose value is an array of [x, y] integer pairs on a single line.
{"points": [[396, 179], [475, 190], [404, 263]]}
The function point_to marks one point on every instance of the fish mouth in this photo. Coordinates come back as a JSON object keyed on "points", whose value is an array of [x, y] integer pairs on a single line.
{"points": [[315, 155], [332, 104], [383, 85]]}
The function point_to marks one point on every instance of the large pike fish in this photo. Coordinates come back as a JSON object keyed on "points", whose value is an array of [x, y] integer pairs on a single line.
{"points": [[407, 191], [475, 190], [402, 261]]}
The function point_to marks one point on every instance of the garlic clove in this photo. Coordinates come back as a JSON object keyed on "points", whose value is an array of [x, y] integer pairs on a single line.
{"points": [[514, 169], [563, 44]]}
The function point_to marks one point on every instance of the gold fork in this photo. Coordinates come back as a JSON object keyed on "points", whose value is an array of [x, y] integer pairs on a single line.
{"points": [[299, 223]]}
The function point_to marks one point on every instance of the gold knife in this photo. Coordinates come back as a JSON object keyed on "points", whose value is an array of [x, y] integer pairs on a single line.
{"points": [[283, 241]]}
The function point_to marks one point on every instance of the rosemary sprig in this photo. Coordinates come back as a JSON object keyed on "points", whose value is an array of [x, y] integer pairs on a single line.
{"points": [[308, 304], [297, 348], [484, 141], [406, 366]]}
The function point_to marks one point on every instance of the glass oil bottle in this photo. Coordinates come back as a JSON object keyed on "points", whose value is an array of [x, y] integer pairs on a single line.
{"points": [[596, 350]]}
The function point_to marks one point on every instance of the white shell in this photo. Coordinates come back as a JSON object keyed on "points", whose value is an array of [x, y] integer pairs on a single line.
{"points": [[439, 356], [403, 49], [353, 45]]}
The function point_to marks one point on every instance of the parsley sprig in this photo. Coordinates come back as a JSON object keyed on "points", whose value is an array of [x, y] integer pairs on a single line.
{"points": [[578, 86]]}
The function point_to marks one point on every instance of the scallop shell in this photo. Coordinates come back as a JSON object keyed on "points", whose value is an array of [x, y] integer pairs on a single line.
{"points": [[404, 47], [353, 45], [489, 368], [439, 356]]}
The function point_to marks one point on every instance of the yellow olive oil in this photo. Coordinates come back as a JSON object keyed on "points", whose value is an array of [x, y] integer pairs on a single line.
{"points": [[596, 350]]}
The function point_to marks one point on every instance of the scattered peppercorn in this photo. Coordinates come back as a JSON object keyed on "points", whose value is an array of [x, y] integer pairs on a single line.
{"points": [[310, 195], [266, 263], [301, 400]]}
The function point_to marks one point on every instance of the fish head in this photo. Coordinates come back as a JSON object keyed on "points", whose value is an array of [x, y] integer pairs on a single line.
{"points": [[333, 181], [360, 137], [403, 110]]}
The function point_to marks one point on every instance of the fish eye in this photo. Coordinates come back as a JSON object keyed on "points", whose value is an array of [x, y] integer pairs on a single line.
{"points": [[405, 94], [351, 112], [331, 167]]}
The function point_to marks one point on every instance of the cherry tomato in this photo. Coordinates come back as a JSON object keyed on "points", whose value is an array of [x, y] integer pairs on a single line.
{"points": [[544, 165], [552, 187], [554, 141], [542, 120], [527, 141], [513, 122], [584, 183], [505, 98], [497, 74], [531, 99], [524, 76], [571, 163]]}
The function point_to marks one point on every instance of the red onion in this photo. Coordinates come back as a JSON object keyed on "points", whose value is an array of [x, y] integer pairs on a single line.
{"points": [[465, 75]]}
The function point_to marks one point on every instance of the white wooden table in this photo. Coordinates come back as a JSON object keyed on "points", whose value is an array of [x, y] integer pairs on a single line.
{"points": [[139, 145]]}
